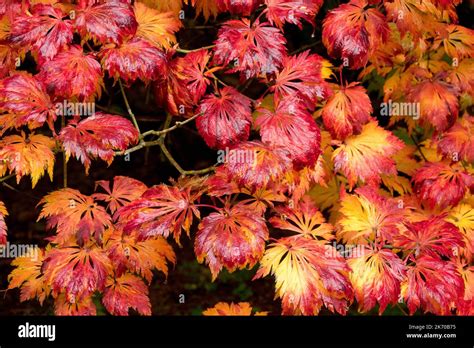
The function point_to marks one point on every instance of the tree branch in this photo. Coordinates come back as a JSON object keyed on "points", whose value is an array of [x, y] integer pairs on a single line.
{"points": [[127, 105]]}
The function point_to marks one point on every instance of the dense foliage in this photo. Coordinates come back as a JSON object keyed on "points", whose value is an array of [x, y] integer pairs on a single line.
{"points": [[345, 176]]}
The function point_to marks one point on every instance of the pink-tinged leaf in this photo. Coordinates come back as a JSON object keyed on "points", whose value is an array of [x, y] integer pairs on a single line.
{"points": [[134, 59], [72, 74], [225, 119], [24, 101], [8, 56], [353, 31], [124, 191], [347, 111], [77, 271], [160, 211], [125, 293], [110, 22], [435, 237], [292, 128], [3, 225], [44, 30], [308, 276], [376, 277], [280, 12], [233, 238], [97, 136], [303, 76], [255, 164], [440, 184], [253, 49], [457, 143], [432, 285]]}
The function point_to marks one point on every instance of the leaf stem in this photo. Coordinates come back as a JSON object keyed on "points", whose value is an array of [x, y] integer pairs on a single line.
{"points": [[127, 105], [182, 50]]}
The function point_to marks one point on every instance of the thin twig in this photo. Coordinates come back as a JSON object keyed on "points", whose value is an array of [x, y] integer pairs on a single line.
{"points": [[127, 105], [176, 125], [182, 50], [63, 124], [5, 178], [418, 147]]}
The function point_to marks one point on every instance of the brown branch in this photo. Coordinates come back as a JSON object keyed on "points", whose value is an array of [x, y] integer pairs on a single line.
{"points": [[127, 105], [176, 125]]}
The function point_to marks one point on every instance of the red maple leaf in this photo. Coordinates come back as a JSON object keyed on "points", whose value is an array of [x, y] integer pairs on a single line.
{"points": [[72, 74], [125, 292], [280, 12], [457, 143], [24, 101], [352, 31], [77, 271], [432, 285], [346, 111], [234, 238], [240, 7], [225, 118], [160, 211], [441, 185], [255, 164], [303, 76], [134, 59], [97, 136], [45, 30], [293, 128], [254, 49], [110, 22], [434, 237]]}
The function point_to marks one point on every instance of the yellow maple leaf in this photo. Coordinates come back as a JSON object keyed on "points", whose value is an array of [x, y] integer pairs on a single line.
{"points": [[156, 27]]}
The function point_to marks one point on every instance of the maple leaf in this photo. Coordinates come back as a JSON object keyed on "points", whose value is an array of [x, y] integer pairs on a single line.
{"points": [[458, 41], [280, 12], [308, 275], [97, 136], [233, 238], [124, 191], [23, 101], [255, 49], [158, 28], [76, 271], [160, 211], [127, 291], [109, 22], [462, 76], [462, 216], [74, 215], [441, 185], [164, 5], [8, 56], [232, 309], [28, 276], [256, 164], [367, 155], [45, 30], [303, 75], [141, 257], [3, 226], [352, 31], [432, 285], [376, 277], [457, 143], [225, 119], [191, 71], [134, 59], [72, 74], [434, 237], [64, 306], [298, 182], [30, 155], [292, 128], [240, 7], [346, 111], [369, 215], [303, 218], [438, 103]]}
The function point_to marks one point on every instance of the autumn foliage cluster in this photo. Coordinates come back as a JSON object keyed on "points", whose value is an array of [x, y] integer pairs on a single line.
{"points": [[335, 202]]}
